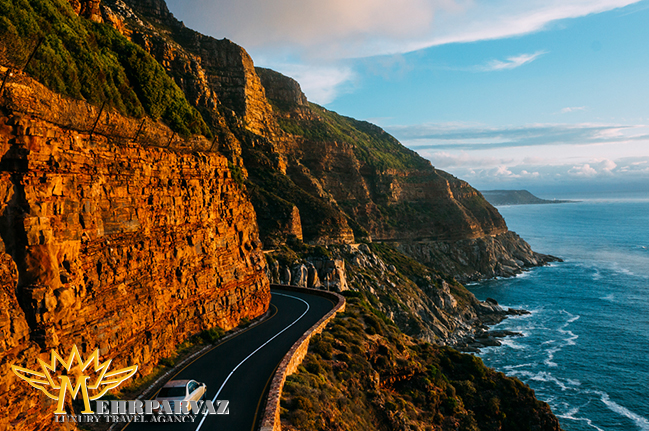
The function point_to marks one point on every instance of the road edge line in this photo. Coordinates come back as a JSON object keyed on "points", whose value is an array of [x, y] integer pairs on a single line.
{"points": [[294, 357]]}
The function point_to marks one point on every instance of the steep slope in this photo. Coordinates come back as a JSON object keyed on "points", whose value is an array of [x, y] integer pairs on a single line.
{"points": [[361, 373], [422, 302], [391, 194], [116, 233], [321, 177]]}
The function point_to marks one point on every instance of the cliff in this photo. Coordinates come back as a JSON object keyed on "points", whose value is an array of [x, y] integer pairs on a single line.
{"points": [[423, 303], [126, 245], [314, 175]]}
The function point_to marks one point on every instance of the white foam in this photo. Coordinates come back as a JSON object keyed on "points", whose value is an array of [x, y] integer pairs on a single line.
{"points": [[512, 344], [597, 275], [574, 418], [542, 376], [550, 357], [513, 367], [640, 421], [610, 298]]}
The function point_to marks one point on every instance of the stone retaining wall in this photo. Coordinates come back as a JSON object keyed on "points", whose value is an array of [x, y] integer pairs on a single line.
{"points": [[294, 357]]}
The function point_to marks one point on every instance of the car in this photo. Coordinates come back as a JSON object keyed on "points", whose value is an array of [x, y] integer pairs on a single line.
{"points": [[182, 391]]}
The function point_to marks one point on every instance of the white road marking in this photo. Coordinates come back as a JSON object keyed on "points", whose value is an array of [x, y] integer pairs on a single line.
{"points": [[258, 349]]}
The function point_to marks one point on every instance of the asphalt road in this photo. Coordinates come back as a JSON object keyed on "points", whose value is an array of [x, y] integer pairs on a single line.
{"points": [[240, 369]]}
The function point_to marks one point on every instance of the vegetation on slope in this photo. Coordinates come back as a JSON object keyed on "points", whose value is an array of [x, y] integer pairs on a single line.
{"points": [[373, 146], [362, 373], [93, 62]]}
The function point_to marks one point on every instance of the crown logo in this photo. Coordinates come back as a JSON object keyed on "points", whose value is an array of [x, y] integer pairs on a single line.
{"points": [[75, 366]]}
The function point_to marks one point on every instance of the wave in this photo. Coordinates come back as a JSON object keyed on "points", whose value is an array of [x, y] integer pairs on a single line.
{"points": [[547, 377], [574, 418], [610, 298], [508, 342], [514, 367], [571, 340], [640, 421]]}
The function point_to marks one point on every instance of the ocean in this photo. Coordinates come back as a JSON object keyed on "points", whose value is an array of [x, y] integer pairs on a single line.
{"points": [[585, 348]]}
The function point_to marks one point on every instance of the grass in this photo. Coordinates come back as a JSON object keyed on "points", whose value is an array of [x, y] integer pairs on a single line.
{"points": [[92, 62], [372, 145]]}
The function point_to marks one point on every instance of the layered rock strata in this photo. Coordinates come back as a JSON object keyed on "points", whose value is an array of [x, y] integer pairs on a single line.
{"points": [[111, 244]]}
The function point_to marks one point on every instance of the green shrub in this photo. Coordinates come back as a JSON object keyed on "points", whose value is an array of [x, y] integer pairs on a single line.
{"points": [[92, 62]]}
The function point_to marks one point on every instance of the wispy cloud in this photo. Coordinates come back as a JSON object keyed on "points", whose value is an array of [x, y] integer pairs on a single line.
{"points": [[511, 62], [520, 156], [596, 170], [362, 28], [317, 32], [321, 83], [573, 109], [445, 137]]}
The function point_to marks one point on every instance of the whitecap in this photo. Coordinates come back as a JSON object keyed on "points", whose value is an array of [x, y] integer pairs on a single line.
{"points": [[513, 367], [574, 418], [640, 421], [610, 298], [574, 382], [543, 376], [512, 344], [549, 361], [597, 275]]}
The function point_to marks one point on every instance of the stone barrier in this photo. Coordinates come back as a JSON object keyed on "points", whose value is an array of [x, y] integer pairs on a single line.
{"points": [[294, 357]]}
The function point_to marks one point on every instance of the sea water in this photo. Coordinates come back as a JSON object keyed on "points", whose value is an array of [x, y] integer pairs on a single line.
{"points": [[585, 348]]}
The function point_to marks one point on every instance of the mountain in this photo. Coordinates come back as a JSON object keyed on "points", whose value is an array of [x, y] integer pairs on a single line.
{"points": [[153, 182], [516, 197]]}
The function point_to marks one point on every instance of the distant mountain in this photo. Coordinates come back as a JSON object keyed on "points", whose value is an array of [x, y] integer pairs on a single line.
{"points": [[516, 197]]}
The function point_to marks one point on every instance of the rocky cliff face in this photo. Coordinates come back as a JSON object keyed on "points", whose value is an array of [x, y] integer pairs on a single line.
{"points": [[219, 75], [422, 302], [108, 243], [473, 259], [313, 174]]}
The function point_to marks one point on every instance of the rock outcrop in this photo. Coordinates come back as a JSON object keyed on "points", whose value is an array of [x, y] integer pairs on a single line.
{"points": [[422, 302], [473, 259], [113, 243]]}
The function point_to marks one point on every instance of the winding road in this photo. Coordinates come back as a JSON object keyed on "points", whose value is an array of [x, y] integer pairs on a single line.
{"points": [[240, 369]]}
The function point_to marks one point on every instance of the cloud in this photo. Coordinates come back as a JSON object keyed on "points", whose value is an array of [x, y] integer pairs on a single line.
{"points": [[582, 171], [511, 62], [446, 159], [316, 32], [469, 138], [344, 29], [538, 154], [573, 109], [321, 84]]}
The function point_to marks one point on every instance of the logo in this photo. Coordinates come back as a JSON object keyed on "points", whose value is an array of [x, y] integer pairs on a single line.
{"points": [[92, 378]]}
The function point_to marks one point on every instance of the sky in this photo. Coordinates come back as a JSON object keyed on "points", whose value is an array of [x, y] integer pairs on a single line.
{"points": [[545, 95]]}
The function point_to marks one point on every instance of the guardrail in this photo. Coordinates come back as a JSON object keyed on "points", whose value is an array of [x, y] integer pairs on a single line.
{"points": [[294, 357]]}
